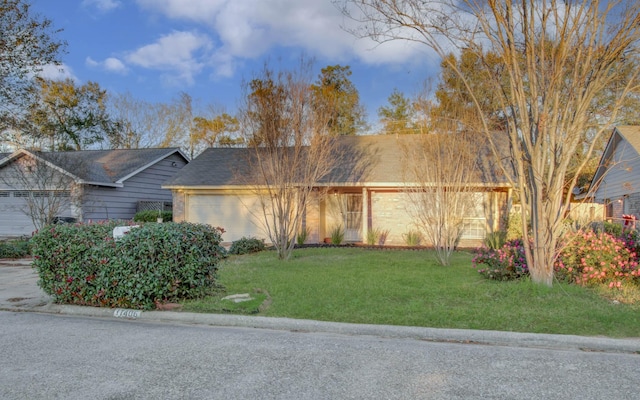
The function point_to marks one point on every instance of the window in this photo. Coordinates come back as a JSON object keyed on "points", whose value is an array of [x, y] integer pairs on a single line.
{"points": [[63, 193], [5, 194], [608, 213], [474, 228], [21, 193], [40, 194]]}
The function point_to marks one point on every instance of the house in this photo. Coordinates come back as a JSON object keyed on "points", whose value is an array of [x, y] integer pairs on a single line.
{"points": [[617, 178], [82, 185], [365, 190]]}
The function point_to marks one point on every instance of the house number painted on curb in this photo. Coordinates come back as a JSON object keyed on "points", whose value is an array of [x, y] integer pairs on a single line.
{"points": [[124, 313]]}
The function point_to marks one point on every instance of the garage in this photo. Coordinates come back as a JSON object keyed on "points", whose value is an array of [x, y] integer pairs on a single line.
{"points": [[239, 215], [14, 222], [15, 219]]}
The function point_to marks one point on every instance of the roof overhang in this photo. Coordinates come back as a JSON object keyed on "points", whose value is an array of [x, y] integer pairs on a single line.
{"points": [[157, 160], [22, 152]]}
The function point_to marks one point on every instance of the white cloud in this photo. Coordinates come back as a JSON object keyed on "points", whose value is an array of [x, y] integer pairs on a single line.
{"points": [[250, 29], [103, 6], [110, 64], [179, 54], [115, 65], [57, 73]]}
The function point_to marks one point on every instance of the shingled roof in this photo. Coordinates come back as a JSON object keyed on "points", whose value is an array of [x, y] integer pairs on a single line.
{"points": [[99, 167], [374, 160]]}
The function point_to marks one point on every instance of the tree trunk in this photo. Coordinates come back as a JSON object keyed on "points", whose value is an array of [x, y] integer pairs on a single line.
{"points": [[540, 246], [541, 266]]}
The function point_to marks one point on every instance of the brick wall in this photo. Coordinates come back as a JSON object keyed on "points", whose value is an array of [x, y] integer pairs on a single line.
{"points": [[178, 205], [388, 212]]}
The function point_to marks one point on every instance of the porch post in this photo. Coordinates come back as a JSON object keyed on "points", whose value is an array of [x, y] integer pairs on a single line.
{"points": [[365, 214]]}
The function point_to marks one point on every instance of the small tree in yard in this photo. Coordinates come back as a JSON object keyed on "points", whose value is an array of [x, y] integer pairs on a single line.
{"points": [[558, 79], [291, 150], [439, 171]]}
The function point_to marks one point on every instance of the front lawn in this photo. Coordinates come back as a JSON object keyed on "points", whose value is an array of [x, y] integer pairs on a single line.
{"points": [[401, 287]]}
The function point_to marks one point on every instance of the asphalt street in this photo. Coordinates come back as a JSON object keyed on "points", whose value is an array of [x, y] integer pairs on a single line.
{"points": [[62, 357]]}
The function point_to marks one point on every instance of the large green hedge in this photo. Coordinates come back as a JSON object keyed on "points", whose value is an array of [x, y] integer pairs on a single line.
{"points": [[83, 264]]}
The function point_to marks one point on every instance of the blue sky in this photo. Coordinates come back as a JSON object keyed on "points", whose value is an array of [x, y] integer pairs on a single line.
{"points": [[155, 49]]}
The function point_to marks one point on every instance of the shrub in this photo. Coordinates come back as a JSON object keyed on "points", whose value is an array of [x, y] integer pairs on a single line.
{"points": [[412, 238], [503, 264], [301, 238], [377, 236], [382, 238], [372, 236], [337, 234], [15, 249], [246, 245], [631, 240], [514, 226], [495, 240], [82, 264], [153, 215], [590, 258], [612, 228]]}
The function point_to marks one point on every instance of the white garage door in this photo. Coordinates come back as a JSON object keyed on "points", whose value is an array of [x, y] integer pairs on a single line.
{"points": [[238, 215], [13, 221]]}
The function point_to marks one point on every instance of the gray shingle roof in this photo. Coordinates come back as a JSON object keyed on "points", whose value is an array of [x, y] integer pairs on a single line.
{"points": [[213, 167], [105, 166], [374, 160]]}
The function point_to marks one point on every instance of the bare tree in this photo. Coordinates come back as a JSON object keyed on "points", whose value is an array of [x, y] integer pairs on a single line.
{"points": [[177, 118], [47, 188], [556, 58], [441, 169], [140, 121], [291, 150]]}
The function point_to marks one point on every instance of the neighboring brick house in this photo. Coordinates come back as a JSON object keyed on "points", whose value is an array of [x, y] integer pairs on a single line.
{"points": [[209, 190], [84, 185], [617, 178]]}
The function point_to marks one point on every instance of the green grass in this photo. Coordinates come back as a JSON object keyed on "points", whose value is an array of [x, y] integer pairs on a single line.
{"points": [[410, 288]]}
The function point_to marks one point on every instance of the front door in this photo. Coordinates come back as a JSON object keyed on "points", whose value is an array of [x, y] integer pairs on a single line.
{"points": [[352, 217]]}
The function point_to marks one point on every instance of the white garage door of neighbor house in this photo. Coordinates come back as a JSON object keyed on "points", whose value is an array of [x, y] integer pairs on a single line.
{"points": [[236, 214], [13, 221]]}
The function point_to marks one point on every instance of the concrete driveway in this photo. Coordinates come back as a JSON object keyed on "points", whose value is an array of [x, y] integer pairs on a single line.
{"points": [[19, 286]]}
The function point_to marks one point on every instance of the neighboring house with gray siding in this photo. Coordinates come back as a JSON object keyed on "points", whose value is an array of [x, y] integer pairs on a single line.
{"points": [[617, 178], [93, 184]]}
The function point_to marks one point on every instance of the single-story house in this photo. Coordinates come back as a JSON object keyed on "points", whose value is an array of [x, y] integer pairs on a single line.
{"points": [[83, 185], [617, 178], [359, 196]]}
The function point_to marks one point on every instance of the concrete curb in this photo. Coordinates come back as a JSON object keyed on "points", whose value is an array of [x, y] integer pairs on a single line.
{"points": [[497, 338]]}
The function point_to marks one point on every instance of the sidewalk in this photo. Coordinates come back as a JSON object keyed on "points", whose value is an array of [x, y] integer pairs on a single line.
{"points": [[19, 292]]}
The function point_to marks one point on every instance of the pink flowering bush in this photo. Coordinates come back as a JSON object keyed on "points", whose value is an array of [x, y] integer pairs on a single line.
{"points": [[591, 258], [503, 264], [608, 262]]}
